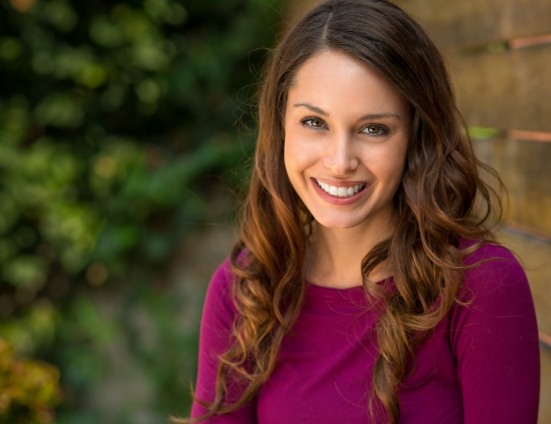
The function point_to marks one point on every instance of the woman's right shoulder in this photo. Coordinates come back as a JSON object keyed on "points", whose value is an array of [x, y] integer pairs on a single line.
{"points": [[222, 276], [219, 299]]}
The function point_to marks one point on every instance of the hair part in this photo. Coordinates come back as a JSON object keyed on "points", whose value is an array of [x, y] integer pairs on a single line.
{"points": [[437, 203]]}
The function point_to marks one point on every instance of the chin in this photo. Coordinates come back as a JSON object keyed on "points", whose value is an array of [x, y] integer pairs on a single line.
{"points": [[337, 224]]}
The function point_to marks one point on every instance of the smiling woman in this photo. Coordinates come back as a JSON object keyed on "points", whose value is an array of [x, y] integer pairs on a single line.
{"points": [[365, 286], [346, 137]]}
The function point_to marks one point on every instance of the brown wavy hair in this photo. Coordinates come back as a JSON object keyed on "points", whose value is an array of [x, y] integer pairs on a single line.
{"points": [[441, 200]]}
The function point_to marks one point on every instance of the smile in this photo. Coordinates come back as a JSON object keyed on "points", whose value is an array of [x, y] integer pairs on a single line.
{"points": [[341, 191]]}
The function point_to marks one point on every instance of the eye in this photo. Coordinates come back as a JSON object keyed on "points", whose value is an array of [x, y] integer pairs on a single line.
{"points": [[313, 122], [375, 130]]}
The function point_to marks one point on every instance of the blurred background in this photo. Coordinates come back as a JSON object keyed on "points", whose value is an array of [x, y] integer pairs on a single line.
{"points": [[126, 131], [125, 135]]}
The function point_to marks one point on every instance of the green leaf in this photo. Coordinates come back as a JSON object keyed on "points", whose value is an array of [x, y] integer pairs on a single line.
{"points": [[26, 271], [59, 110]]}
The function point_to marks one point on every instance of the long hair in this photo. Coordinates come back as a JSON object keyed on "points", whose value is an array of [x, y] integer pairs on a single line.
{"points": [[441, 200]]}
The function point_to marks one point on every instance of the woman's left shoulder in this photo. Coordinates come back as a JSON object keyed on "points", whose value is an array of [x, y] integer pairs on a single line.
{"points": [[485, 250], [493, 336], [492, 268]]}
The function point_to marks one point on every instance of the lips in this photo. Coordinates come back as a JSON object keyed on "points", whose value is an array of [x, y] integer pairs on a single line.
{"points": [[342, 191]]}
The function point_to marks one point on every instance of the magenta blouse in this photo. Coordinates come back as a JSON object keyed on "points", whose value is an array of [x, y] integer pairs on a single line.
{"points": [[479, 365]]}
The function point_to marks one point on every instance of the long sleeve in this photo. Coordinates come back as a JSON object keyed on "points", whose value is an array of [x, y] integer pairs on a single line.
{"points": [[215, 337], [495, 342]]}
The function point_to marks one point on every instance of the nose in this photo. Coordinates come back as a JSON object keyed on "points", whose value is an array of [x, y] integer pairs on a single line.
{"points": [[340, 157]]}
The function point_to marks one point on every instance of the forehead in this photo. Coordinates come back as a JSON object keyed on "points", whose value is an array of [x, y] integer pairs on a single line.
{"points": [[335, 77]]}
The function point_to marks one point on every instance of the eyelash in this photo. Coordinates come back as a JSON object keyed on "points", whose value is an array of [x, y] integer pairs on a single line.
{"points": [[383, 130], [321, 125], [307, 122]]}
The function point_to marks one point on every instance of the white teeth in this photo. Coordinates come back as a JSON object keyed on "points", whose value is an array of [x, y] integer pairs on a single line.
{"points": [[340, 191]]}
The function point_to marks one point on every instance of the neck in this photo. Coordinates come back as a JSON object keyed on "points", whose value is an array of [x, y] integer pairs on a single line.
{"points": [[335, 256]]}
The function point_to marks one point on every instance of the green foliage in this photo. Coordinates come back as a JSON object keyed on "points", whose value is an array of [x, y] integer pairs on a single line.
{"points": [[29, 389], [116, 120]]}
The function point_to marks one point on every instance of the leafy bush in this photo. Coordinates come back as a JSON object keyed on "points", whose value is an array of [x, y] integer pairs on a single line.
{"points": [[29, 389], [116, 119]]}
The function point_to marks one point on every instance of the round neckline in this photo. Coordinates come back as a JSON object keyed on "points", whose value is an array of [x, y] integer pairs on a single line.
{"points": [[319, 287], [340, 294]]}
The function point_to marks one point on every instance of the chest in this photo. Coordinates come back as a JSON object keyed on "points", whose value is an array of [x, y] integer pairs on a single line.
{"points": [[325, 367]]}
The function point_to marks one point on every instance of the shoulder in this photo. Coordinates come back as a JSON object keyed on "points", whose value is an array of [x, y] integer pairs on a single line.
{"points": [[494, 302], [218, 299], [494, 284], [487, 252], [222, 277], [493, 267], [493, 337]]}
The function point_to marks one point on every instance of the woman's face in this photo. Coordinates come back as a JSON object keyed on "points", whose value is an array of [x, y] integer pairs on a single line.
{"points": [[346, 137]]}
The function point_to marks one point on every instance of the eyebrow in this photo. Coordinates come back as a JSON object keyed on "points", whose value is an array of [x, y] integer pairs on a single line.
{"points": [[368, 116]]}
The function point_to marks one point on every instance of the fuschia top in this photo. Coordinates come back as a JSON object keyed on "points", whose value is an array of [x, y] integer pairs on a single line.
{"points": [[480, 365]]}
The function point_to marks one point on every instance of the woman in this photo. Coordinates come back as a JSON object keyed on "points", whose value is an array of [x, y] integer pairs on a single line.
{"points": [[365, 287]]}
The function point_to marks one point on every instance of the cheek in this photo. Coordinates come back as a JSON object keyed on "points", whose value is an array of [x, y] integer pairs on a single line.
{"points": [[292, 170], [287, 155], [289, 161], [391, 166], [293, 154]]}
